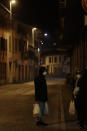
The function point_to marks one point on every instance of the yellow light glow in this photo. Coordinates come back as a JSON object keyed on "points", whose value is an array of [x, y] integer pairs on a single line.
{"points": [[34, 28], [13, 1]]}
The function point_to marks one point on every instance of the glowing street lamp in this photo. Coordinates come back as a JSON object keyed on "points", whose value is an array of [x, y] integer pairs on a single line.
{"points": [[33, 30], [12, 2], [45, 34]]}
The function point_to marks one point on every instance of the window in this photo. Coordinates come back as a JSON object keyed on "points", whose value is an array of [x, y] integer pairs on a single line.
{"points": [[21, 45], [52, 59], [3, 44], [59, 59], [9, 43], [55, 59], [15, 45], [2, 71], [64, 58], [49, 59], [51, 70]]}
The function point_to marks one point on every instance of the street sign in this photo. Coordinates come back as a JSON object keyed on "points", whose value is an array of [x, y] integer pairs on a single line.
{"points": [[84, 5]]}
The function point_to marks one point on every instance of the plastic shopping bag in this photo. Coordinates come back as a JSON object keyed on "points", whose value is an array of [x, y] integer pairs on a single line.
{"points": [[46, 109], [76, 91], [72, 109], [36, 110]]}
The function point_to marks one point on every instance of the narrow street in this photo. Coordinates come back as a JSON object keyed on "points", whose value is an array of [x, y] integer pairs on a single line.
{"points": [[16, 105], [43, 38]]}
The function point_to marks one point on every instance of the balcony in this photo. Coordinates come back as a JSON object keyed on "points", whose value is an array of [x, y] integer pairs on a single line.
{"points": [[30, 53]]}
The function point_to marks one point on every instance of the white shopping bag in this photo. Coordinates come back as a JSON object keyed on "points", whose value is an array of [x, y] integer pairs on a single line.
{"points": [[46, 109], [76, 91], [36, 110], [72, 109]]}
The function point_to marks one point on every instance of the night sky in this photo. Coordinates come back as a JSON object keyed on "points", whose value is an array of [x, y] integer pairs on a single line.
{"points": [[44, 15], [38, 12]]}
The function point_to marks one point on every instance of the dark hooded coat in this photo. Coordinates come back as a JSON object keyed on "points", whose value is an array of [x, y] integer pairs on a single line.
{"points": [[41, 87], [82, 97]]}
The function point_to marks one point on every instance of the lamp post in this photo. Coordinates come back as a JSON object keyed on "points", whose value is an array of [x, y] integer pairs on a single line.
{"points": [[33, 30], [11, 3]]}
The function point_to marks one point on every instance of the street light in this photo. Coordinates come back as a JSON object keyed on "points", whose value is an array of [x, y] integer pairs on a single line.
{"points": [[33, 30], [45, 34], [12, 2]]}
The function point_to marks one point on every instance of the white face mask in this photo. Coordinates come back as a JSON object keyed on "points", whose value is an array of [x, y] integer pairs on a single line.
{"points": [[44, 73], [78, 76]]}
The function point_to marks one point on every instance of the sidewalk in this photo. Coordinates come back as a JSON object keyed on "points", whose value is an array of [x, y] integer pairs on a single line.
{"points": [[50, 81]]}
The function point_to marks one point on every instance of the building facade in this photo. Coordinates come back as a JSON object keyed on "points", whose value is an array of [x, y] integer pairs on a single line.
{"points": [[79, 46], [57, 63], [18, 58], [79, 55]]}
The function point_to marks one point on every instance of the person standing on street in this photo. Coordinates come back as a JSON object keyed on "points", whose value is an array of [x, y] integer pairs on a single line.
{"points": [[75, 85], [76, 89], [41, 94], [82, 100]]}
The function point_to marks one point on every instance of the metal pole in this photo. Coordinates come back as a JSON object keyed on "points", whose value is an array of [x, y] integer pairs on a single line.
{"points": [[11, 75], [33, 37], [11, 22], [10, 11]]}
